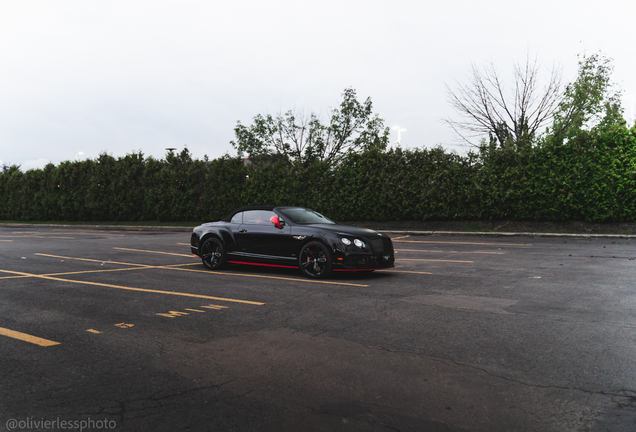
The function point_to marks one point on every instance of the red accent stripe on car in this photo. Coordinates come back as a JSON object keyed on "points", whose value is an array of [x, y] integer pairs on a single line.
{"points": [[259, 264]]}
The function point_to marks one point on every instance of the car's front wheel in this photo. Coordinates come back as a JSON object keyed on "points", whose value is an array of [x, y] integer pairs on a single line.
{"points": [[213, 254], [315, 260]]}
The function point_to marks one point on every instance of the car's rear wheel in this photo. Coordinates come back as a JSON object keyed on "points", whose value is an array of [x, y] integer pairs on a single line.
{"points": [[213, 254], [315, 260]]}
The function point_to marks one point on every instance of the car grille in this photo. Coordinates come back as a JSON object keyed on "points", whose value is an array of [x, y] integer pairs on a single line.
{"points": [[382, 245]]}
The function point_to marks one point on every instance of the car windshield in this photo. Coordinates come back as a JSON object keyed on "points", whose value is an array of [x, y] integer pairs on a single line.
{"points": [[305, 216]]}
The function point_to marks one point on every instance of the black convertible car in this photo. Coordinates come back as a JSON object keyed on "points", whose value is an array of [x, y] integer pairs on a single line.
{"points": [[290, 237]]}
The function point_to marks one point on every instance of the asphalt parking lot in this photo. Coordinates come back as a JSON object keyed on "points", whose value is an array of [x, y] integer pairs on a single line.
{"points": [[128, 331]]}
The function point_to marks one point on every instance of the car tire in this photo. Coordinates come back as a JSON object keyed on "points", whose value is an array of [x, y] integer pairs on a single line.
{"points": [[213, 254], [315, 260]]}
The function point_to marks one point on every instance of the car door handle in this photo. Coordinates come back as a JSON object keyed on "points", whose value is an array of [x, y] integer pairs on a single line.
{"points": [[242, 230]]}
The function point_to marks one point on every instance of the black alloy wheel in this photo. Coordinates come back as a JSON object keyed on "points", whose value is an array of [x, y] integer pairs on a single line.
{"points": [[213, 254], [315, 260]]}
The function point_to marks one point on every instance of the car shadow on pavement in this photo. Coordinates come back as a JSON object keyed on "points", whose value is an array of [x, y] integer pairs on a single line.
{"points": [[295, 273]]}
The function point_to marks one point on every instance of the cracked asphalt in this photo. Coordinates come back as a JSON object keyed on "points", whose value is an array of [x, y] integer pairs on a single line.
{"points": [[465, 334]]}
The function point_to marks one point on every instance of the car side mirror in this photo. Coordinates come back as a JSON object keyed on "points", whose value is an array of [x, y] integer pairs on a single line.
{"points": [[277, 222]]}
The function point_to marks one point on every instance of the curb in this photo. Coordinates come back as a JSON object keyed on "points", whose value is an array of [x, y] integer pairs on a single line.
{"points": [[510, 234], [102, 227], [401, 232]]}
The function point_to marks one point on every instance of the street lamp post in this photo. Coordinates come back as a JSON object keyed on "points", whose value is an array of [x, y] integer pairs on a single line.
{"points": [[399, 131]]}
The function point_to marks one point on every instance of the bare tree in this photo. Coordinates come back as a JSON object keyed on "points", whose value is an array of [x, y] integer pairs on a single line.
{"points": [[487, 108]]}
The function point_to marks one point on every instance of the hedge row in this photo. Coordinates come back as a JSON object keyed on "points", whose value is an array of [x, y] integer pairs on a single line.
{"points": [[592, 177]]}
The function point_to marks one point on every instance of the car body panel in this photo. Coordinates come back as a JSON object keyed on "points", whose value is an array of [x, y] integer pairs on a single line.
{"points": [[262, 243]]}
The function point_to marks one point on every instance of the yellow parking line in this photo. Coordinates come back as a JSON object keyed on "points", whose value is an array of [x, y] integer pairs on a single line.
{"points": [[27, 338], [134, 289], [183, 265], [176, 267], [91, 260], [395, 238], [273, 277], [98, 271], [464, 243], [184, 244], [137, 266], [103, 233], [436, 260], [404, 271], [37, 236], [457, 252], [157, 252]]}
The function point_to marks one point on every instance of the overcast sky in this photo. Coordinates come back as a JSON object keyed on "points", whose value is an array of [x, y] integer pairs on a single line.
{"points": [[123, 76]]}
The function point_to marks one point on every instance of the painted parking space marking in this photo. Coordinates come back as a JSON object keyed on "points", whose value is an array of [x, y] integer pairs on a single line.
{"points": [[14, 277], [272, 277], [93, 331], [435, 260], [175, 293], [124, 325], [27, 338], [453, 252], [178, 267], [463, 243], [173, 314], [403, 271], [396, 238], [168, 267], [90, 260], [101, 233], [156, 252], [176, 314], [37, 236]]}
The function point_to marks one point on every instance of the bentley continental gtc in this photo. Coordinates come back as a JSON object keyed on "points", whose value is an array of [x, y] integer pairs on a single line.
{"points": [[290, 237]]}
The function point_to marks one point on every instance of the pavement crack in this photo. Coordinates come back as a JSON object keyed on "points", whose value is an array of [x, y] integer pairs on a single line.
{"points": [[215, 386], [623, 393]]}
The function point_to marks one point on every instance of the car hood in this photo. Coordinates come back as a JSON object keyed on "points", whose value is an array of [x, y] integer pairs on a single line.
{"points": [[346, 230]]}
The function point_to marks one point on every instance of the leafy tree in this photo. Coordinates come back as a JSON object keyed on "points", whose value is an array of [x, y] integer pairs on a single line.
{"points": [[592, 99], [352, 127]]}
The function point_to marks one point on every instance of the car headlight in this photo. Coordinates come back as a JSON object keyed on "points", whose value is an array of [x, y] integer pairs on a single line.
{"points": [[358, 243], [346, 241]]}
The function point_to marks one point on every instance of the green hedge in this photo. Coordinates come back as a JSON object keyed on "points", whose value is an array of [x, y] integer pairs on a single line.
{"points": [[592, 178]]}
